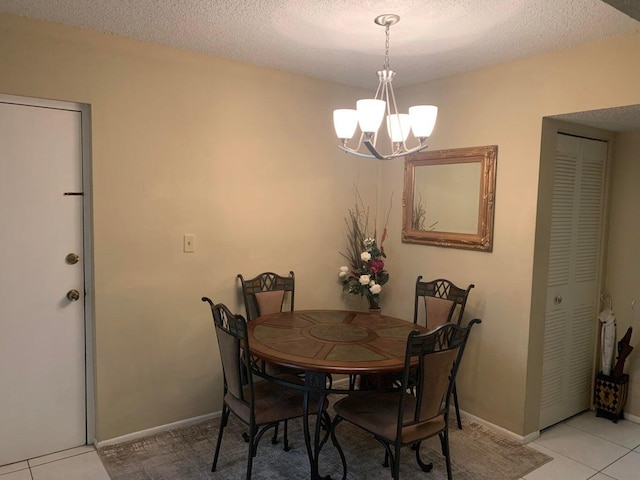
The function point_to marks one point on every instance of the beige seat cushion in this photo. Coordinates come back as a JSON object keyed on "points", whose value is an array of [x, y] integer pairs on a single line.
{"points": [[378, 413], [273, 402]]}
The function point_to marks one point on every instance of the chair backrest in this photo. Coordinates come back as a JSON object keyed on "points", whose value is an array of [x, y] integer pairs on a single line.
{"points": [[443, 302], [231, 331], [265, 293], [437, 354]]}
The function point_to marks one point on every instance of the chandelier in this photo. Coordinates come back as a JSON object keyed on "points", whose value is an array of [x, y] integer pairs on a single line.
{"points": [[370, 112]]}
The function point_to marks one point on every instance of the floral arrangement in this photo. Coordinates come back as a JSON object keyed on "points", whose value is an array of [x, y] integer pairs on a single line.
{"points": [[365, 273]]}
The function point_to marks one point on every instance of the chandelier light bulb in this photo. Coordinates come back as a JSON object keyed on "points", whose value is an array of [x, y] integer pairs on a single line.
{"points": [[370, 112], [423, 120], [398, 126], [345, 122]]}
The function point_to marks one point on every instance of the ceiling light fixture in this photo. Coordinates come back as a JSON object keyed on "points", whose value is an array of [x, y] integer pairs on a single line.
{"points": [[370, 112]]}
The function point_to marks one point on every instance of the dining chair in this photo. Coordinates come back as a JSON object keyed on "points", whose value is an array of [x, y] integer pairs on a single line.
{"points": [[267, 293], [407, 417], [261, 405], [442, 302]]}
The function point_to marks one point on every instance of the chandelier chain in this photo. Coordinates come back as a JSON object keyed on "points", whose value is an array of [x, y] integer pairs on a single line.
{"points": [[386, 48]]}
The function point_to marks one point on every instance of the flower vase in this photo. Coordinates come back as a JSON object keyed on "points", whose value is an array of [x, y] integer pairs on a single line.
{"points": [[373, 306]]}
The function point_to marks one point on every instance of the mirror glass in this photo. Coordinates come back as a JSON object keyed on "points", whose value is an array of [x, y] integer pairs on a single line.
{"points": [[449, 196]]}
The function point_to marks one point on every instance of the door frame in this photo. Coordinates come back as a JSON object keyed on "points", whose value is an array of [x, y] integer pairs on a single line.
{"points": [[87, 230], [550, 129]]}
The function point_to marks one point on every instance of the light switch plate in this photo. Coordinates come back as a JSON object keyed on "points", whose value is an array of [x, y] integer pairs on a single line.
{"points": [[189, 243]]}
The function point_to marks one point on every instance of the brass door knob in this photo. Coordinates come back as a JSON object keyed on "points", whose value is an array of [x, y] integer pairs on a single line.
{"points": [[72, 258], [73, 295]]}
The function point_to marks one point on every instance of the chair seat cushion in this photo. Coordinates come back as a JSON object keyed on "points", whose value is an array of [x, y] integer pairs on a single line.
{"points": [[273, 402], [377, 412]]}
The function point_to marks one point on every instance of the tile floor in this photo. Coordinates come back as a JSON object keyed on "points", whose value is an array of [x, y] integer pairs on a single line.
{"points": [[587, 447], [81, 463], [583, 447]]}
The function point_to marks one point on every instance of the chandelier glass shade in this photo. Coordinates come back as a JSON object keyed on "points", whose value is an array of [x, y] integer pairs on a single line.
{"points": [[370, 112]]}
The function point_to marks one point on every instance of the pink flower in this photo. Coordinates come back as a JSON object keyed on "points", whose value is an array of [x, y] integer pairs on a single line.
{"points": [[376, 266]]}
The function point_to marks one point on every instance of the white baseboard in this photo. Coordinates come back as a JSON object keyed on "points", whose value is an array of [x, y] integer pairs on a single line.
{"points": [[152, 431], [507, 433], [632, 418]]}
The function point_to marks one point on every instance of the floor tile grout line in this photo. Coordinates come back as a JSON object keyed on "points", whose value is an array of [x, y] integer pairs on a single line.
{"points": [[584, 464], [617, 460], [601, 437], [58, 459]]}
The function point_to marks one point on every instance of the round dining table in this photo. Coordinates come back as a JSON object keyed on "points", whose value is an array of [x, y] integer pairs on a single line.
{"points": [[325, 343]]}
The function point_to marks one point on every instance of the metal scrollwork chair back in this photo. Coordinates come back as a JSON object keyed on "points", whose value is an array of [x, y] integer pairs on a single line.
{"points": [[442, 302], [409, 416], [267, 293], [259, 405]]}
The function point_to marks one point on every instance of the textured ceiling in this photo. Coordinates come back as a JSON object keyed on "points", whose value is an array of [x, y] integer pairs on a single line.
{"points": [[336, 40]]}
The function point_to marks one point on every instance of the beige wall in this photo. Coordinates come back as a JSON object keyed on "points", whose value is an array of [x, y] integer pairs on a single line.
{"points": [[504, 105], [245, 158], [623, 259]]}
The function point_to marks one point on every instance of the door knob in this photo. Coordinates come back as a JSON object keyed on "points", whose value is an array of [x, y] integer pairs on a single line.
{"points": [[73, 295], [557, 300], [72, 258]]}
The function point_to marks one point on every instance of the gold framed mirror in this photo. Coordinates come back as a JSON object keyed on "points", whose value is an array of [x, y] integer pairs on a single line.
{"points": [[449, 198]]}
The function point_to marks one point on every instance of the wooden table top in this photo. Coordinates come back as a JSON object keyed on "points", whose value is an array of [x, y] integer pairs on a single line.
{"points": [[331, 341]]}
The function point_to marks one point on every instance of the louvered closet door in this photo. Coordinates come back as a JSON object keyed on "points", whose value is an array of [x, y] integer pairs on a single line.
{"points": [[572, 284]]}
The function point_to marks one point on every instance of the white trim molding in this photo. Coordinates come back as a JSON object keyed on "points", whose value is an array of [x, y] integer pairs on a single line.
{"points": [[155, 430]]}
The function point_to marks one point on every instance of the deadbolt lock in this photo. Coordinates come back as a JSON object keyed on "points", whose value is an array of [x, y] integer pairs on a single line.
{"points": [[73, 295], [72, 258]]}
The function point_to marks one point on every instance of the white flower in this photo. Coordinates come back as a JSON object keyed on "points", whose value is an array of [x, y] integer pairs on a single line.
{"points": [[344, 271], [365, 279], [368, 242], [372, 283], [365, 256], [344, 268], [375, 289]]}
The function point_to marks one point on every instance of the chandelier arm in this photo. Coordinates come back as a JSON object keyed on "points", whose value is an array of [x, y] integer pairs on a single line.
{"points": [[379, 91], [392, 96], [360, 141], [396, 154], [377, 155], [372, 149], [354, 152]]}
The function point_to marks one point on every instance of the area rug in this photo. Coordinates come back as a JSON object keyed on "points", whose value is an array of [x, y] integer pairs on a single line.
{"points": [[186, 454]]}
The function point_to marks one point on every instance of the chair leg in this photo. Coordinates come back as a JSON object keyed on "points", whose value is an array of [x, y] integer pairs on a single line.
{"points": [[274, 439], [286, 435], [457, 407], [444, 440], [396, 462], [223, 423], [426, 467], [252, 451]]}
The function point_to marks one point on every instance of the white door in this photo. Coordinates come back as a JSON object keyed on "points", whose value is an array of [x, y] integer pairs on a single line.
{"points": [[572, 283], [42, 342]]}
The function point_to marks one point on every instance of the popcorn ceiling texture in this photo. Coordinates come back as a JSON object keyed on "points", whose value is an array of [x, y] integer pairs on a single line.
{"points": [[337, 40]]}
